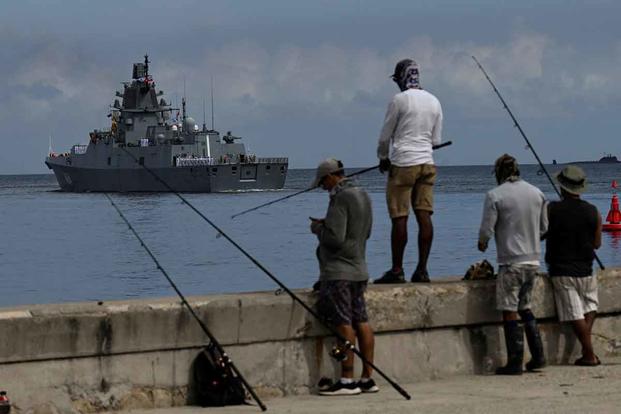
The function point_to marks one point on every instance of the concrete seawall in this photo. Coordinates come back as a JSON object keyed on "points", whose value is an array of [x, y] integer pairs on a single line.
{"points": [[89, 357]]}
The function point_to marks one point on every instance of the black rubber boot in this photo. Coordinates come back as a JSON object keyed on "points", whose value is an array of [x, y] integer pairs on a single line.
{"points": [[535, 345], [514, 338]]}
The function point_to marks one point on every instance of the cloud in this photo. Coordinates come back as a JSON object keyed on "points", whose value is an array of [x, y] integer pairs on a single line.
{"points": [[52, 84]]}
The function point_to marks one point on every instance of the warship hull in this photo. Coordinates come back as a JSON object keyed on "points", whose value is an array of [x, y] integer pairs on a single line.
{"points": [[191, 179]]}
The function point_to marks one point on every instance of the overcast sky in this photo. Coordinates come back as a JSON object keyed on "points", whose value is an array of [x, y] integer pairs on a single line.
{"points": [[309, 79]]}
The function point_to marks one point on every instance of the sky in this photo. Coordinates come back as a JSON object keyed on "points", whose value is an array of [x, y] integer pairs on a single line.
{"points": [[310, 79]]}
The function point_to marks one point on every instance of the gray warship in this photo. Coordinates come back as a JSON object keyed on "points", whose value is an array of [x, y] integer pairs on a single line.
{"points": [[152, 134]]}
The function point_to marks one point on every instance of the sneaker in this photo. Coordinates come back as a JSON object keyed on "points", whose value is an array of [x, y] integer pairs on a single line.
{"points": [[391, 277], [368, 386], [324, 384], [420, 276], [338, 388]]}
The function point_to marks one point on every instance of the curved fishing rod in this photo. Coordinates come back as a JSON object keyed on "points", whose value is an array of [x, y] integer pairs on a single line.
{"points": [[435, 147], [528, 144], [346, 344], [225, 358]]}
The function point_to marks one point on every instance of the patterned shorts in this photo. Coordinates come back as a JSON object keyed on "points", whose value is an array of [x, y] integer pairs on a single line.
{"points": [[514, 287], [341, 302], [574, 296]]}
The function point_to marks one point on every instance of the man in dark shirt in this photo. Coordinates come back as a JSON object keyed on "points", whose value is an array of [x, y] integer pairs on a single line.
{"points": [[343, 236], [574, 232]]}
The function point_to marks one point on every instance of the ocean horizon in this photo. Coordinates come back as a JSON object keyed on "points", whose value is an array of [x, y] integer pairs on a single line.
{"points": [[66, 247]]}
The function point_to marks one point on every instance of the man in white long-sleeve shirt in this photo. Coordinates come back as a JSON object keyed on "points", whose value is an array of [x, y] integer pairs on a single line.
{"points": [[413, 124]]}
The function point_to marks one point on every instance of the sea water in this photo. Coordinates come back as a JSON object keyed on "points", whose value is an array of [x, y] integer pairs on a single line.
{"points": [[60, 247]]}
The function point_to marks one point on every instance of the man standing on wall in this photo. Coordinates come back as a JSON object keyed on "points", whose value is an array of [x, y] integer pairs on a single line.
{"points": [[575, 231], [413, 124], [514, 213], [343, 235]]}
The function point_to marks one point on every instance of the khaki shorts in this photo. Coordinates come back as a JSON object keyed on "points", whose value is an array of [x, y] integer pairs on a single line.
{"points": [[410, 187], [574, 296], [514, 287]]}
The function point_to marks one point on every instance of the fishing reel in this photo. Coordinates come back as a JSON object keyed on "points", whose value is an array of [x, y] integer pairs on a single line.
{"points": [[339, 352]]}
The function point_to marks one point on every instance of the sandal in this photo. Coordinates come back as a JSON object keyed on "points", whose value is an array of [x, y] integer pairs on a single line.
{"points": [[584, 363]]}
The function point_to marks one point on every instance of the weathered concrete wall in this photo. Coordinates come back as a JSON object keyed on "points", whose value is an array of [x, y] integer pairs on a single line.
{"points": [[89, 357]]}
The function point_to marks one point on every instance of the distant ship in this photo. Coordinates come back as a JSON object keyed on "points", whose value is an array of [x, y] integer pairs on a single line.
{"points": [[606, 159], [144, 133]]}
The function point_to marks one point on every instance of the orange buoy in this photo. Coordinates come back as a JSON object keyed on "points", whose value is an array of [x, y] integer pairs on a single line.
{"points": [[614, 215]]}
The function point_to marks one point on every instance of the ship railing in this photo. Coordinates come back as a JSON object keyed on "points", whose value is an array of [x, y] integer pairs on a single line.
{"points": [[79, 149], [205, 161], [195, 162], [273, 160]]}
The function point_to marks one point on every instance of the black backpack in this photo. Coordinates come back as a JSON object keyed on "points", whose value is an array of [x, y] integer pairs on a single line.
{"points": [[215, 384]]}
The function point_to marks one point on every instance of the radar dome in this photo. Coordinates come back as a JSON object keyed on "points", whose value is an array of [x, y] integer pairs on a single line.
{"points": [[188, 124], [174, 128]]}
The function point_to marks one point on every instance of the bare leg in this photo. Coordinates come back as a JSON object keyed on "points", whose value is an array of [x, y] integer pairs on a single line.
{"points": [[589, 318], [425, 237], [398, 241], [366, 341], [347, 366], [583, 333]]}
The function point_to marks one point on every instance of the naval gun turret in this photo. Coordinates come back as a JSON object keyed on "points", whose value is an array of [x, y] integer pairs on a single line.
{"points": [[229, 138]]}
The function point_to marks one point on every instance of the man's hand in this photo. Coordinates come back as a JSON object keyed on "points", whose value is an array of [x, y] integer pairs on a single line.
{"points": [[316, 225], [384, 165], [482, 246]]}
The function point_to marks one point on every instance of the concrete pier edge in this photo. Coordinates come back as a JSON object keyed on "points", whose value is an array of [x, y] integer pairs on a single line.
{"points": [[93, 357]]}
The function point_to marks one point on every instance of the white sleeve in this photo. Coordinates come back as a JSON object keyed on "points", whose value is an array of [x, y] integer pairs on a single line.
{"points": [[388, 130], [488, 222], [436, 134]]}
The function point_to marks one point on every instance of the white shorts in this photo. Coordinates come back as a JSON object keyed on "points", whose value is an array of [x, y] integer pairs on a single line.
{"points": [[574, 296], [514, 287]]}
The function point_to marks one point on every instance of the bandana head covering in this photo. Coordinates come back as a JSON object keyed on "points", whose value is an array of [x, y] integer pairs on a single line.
{"points": [[406, 74]]}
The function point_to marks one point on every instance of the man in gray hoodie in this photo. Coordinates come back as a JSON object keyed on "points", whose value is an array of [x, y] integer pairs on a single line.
{"points": [[343, 235], [515, 214]]}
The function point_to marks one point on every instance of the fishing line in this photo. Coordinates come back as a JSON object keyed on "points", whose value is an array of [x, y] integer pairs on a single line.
{"points": [[528, 144], [348, 345], [225, 358], [435, 147]]}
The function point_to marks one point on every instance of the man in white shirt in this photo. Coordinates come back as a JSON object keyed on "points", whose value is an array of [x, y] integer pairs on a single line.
{"points": [[514, 214], [413, 124]]}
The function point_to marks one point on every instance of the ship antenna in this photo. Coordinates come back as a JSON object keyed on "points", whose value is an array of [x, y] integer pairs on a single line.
{"points": [[213, 127], [204, 125], [146, 66], [50, 149], [183, 99]]}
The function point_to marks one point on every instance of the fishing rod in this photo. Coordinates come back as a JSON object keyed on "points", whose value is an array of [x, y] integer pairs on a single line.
{"points": [[225, 358], [528, 144], [347, 346], [435, 147]]}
